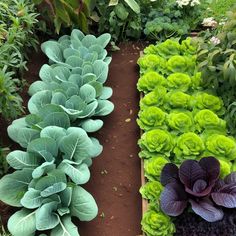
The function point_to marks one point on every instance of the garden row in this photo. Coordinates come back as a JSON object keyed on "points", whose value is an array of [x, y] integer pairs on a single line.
{"points": [[57, 149], [185, 145]]}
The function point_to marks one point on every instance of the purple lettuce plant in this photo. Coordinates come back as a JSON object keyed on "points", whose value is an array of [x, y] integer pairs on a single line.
{"points": [[197, 183]]}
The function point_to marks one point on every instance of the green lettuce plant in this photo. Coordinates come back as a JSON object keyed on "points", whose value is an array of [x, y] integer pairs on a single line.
{"points": [[180, 121], [206, 119], [179, 81], [154, 142], [177, 100], [182, 64], [154, 98], [221, 146], [149, 81], [153, 167], [151, 190], [157, 224], [151, 62], [205, 100], [188, 146], [151, 118]]}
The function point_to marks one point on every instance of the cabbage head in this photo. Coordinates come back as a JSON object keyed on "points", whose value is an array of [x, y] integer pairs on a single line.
{"points": [[154, 166], [151, 118], [179, 81], [180, 121], [151, 190], [149, 81], [207, 119], [154, 142], [189, 146], [178, 100], [207, 101], [157, 224], [154, 98], [221, 146]]}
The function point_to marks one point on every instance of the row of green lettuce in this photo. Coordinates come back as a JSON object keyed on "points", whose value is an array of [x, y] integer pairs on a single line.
{"points": [[65, 106], [180, 119]]}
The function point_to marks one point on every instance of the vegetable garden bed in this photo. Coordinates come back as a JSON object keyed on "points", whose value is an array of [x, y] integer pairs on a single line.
{"points": [[116, 172]]}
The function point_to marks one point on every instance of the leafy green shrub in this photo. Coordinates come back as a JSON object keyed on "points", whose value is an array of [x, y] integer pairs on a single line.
{"points": [[217, 64], [17, 22], [56, 156], [151, 190], [10, 101]]}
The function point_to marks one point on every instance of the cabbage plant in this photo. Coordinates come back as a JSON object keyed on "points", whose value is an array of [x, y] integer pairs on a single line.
{"points": [[199, 184], [45, 183]]}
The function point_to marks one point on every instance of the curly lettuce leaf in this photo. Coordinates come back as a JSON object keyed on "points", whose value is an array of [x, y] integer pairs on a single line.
{"points": [[151, 190], [151, 118], [149, 81], [178, 100], [157, 224], [155, 142], [189, 146], [179, 81], [221, 146], [205, 100], [206, 119], [180, 121], [182, 64], [154, 98], [154, 166], [151, 62]]}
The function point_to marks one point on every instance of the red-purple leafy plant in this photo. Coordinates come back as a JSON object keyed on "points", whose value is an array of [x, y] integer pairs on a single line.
{"points": [[197, 183]]}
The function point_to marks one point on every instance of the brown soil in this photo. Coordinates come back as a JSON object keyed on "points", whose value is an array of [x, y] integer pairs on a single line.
{"points": [[115, 175]]}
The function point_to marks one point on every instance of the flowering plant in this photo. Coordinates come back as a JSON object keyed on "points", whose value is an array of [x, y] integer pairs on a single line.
{"points": [[191, 3]]}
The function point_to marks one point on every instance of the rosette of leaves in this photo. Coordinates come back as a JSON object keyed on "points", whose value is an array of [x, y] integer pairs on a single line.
{"points": [[151, 62], [199, 184], [156, 223], [177, 100], [181, 64], [154, 98], [166, 49], [153, 167], [151, 118], [178, 81], [180, 121], [78, 103], [149, 81], [208, 120], [221, 146], [207, 101], [45, 182], [28, 128], [154, 142], [72, 51], [188, 146], [151, 191]]}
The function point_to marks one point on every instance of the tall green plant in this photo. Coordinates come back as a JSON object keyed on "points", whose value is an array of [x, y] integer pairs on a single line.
{"points": [[67, 14]]}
